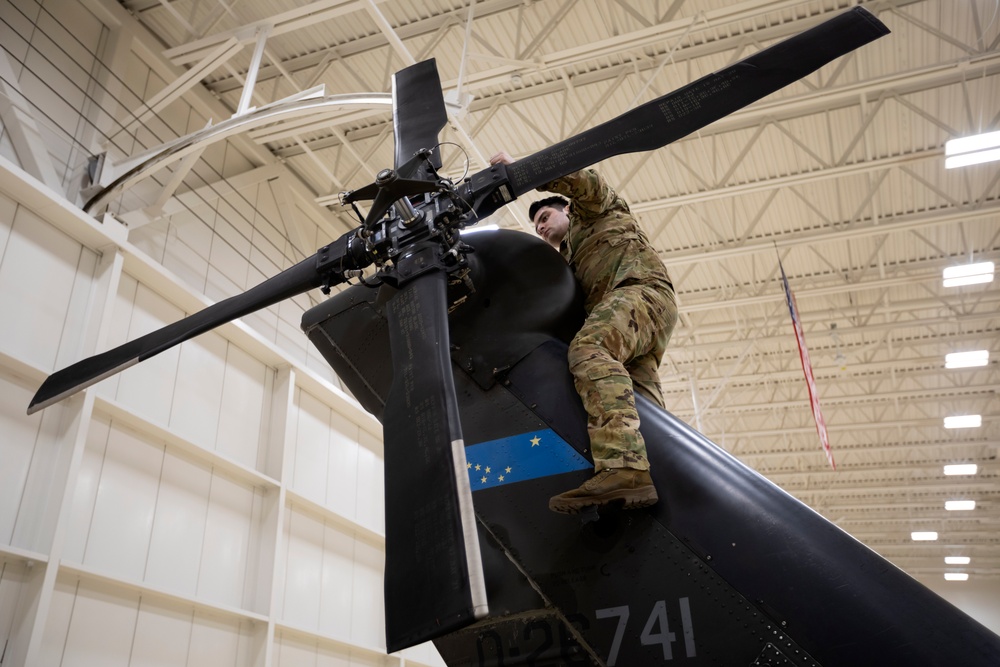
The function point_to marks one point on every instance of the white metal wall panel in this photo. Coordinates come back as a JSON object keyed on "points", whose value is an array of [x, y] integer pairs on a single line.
{"points": [[197, 393], [293, 650], [337, 583], [78, 313], [219, 640], [244, 410], [371, 483], [337, 464], [148, 387], [52, 79], [317, 364], [85, 490], [13, 580], [8, 209], [266, 259], [343, 465], [97, 624], [181, 243], [303, 570], [206, 390], [40, 508], [368, 608], [228, 265], [310, 455], [57, 622], [288, 335], [332, 582], [20, 435], [39, 266], [162, 634], [228, 553], [178, 535], [120, 528], [164, 520], [186, 251], [101, 626], [271, 224]]}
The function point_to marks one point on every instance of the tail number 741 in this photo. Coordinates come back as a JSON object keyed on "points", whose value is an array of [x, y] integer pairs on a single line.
{"points": [[656, 630]]}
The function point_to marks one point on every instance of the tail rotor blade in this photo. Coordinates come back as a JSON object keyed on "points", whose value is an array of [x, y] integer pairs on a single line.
{"points": [[433, 572], [293, 281], [418, 111], [677, 114]]}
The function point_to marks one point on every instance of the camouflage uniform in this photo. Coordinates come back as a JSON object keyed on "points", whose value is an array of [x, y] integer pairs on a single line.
{"points": [[631, 312]]}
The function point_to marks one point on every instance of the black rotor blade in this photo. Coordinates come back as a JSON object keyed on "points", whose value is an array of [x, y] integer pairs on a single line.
{"points": [[666, 119], [292, 281], [418, 112], [433, 570]]}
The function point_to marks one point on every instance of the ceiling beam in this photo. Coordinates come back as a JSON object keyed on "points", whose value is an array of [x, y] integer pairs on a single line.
{"points": [[870, 398], [790, 180], [318, 12], [833, 232]]}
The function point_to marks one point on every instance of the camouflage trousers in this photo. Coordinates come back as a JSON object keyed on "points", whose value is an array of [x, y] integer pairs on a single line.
{"points": [[618, 350]]}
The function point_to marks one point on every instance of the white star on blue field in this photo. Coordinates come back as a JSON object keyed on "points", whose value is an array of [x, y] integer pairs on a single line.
{"points": [[519, 458]]}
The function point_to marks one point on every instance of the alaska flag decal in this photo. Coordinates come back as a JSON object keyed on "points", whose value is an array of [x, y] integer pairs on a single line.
{"points": [[519, 458]]}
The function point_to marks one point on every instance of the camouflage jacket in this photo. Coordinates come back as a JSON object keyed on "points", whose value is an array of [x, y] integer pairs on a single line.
{"points": [[604, 245]]}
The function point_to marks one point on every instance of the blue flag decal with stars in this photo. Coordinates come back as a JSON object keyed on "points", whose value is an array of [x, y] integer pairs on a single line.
{"points": [[519, 458]]}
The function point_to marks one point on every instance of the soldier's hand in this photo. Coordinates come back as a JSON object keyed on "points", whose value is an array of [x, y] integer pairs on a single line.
{"points": [[501, 158]]}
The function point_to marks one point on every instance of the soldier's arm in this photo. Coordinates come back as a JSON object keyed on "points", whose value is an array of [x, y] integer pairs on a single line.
{"points": [[591, 195]]}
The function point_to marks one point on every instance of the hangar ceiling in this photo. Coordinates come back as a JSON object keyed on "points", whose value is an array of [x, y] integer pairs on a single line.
{"points": [[841, 176]]}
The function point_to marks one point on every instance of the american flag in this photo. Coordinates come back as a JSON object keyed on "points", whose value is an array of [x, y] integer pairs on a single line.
{"points": [[807, 368]]}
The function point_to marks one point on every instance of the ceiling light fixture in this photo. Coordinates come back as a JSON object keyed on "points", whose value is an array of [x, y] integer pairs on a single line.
{"points": [[957, 560], [961, 469], [959, 505], [968, 274], [963, 421], [923, 536], [967, 359], [976, 149], [956, 576]]}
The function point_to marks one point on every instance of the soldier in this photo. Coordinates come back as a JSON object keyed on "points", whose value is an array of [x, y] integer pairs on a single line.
{"points": [[631, 311]]}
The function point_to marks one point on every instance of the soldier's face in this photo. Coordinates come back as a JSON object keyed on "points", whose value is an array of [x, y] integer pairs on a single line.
{"points": [[551, 224]]}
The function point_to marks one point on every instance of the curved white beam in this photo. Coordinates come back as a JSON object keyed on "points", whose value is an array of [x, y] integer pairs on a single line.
{"points": [[143, 165]]}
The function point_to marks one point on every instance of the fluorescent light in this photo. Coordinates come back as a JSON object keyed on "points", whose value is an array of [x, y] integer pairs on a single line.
{"points": [[972, 150], [969, 159], [923, 536], [967, 359], [957, 560], [956, 576], [976, 142], [963, 421], [958, 505], [961, 469], [968, 274], [484, 228]]}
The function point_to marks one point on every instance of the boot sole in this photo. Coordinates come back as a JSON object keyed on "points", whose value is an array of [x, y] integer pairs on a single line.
{"points": [[634, 499]]}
